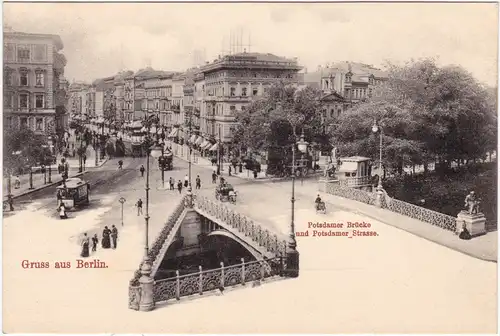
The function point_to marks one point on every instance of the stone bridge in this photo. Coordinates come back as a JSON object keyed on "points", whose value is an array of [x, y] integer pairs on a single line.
{"points": [[195, 221]]}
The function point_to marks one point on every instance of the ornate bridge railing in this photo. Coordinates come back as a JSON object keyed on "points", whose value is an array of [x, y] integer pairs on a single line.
{"points": [[243, 224], [414, 211], [134, 289], [213, 279], [351, 193]]}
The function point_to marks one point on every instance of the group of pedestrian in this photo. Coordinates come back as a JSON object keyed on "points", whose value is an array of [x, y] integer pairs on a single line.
{"points": [[109, 240]]}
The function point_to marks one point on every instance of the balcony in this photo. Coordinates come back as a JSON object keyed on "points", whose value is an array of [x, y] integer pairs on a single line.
{"points": [[176, 109]]}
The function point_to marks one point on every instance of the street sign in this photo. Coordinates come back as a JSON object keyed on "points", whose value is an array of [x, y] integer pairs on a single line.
{"points": [[122, 200]]}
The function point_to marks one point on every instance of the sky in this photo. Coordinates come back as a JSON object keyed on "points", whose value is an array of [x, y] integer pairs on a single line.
{"points": [[102, 38]]}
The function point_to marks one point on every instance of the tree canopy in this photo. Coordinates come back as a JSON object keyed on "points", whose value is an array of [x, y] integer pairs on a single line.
{"points": [[426, 112], [23, 147], [269, 122]]}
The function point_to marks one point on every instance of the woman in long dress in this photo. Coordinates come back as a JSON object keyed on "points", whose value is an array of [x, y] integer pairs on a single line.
{"points": [[62, 211], [85, 246], [106, 241]]}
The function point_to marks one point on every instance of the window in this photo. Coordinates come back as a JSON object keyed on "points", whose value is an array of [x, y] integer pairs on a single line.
{"points": [[7, 79], [23, 54], [24, 122], [39, 124], [9, 121], [7, 100], [233, 91], [255, 92], [40, 52], [23, 100], [23, 79], [39, 101], [347, 78], [232, 109], [157, 105], [244, 92]]}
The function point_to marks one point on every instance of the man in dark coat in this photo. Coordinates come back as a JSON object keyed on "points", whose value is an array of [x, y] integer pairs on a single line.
{"points": [[114, 235]]}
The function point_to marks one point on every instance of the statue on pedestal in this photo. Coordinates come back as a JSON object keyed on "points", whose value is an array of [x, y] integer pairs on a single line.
{"points": [[472, 203]]}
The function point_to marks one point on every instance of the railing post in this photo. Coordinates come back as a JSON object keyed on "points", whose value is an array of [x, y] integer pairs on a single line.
{"points": [[178, 286], [243, 271], [201, 280], [221, 275], [147, 283]]}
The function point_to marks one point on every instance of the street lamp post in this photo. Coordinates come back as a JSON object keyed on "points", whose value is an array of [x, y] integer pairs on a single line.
{"points": [[190, 146], [31, 178], [378, 129], [219, 155], [122, 201], [292, 253], [9, 192]]}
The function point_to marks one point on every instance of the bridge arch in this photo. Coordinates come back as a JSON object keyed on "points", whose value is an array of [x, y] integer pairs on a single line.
{"points": [[235, 238]]}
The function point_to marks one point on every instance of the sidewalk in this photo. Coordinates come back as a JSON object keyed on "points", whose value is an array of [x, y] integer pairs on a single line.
{"points": [[483, 247]]}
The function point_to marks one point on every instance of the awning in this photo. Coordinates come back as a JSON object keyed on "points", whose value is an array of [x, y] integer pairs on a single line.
{"points": [[214, 147], [192, 139], [199, 141], [204, 144], [207, 146], [173, 134]]}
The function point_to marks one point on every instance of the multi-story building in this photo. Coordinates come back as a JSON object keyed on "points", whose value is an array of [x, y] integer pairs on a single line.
{"points": [[230, 83], [353, 81], [77, 98], [33, 67]]}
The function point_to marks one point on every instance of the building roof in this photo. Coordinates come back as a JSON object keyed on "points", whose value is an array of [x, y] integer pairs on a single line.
{"points": [[247, 59], [356, 68], [334, 96], [56, 38]]}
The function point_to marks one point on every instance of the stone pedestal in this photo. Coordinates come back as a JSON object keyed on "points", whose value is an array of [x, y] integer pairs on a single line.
{"points": [[292, 263], [475, 223], [379, 197], [146, 302], [324, 182]]}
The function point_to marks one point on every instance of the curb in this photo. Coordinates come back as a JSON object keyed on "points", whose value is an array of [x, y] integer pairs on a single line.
{"points": [[45, 186], [431, 239]]}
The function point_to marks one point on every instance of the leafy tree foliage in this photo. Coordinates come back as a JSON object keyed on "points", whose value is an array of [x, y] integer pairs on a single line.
{"points": [[24, 148], [427, 112], [276, 121]]}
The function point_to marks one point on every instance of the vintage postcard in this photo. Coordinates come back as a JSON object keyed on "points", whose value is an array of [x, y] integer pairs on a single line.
{"points": [[250, 168]]}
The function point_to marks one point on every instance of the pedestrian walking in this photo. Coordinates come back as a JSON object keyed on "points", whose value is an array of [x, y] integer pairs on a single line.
{"points": [[179, 186], [172, 183], [95, 241], [229, 170], [186, 181], [214, 177], [139, 207], [106, 243], [17, 182], [142, 170], [120, 164], [255, 173], [62, 211], [198, 182], [241, 167], [114, 235], [85, 246], [84, 158]]}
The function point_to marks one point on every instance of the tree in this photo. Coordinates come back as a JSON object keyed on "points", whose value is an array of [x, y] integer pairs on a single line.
{"points": [[274, 122], [449, 116], [23, 148]]}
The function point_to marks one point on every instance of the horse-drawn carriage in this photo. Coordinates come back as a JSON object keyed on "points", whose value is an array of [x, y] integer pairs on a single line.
{"points": [[225, 192]]}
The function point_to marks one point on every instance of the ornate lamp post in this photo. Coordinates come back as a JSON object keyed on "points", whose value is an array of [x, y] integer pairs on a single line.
{"points": [[292, 253], [377, 129]]}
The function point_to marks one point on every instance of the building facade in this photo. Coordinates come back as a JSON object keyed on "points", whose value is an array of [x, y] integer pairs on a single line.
{"points": [[33, 68], [231, 82]]}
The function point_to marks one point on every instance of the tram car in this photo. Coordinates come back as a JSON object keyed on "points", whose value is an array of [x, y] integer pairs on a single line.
{"points": [[73, 193]]}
